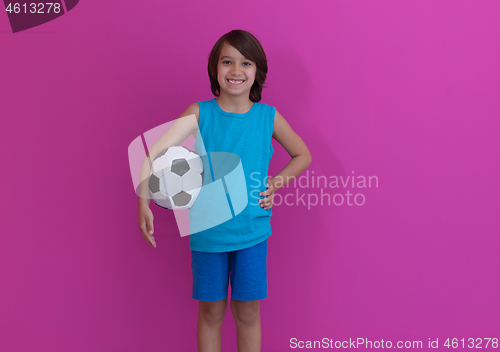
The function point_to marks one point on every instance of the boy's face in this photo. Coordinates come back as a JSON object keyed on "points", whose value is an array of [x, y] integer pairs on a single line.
{"points": [[235, 73]]}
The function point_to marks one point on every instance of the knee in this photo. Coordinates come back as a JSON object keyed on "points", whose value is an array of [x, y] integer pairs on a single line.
{"points": [[246, 312], [213, 312]]}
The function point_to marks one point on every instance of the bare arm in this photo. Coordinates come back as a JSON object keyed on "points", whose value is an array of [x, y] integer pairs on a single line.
{"points": [[185, 125], [295, 147]]}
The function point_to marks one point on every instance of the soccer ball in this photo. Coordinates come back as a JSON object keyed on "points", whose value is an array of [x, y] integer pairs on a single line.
{"points": [[176, 178]]}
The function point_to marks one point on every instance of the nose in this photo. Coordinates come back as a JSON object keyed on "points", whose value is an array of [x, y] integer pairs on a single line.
{"points": [[235, 70]]}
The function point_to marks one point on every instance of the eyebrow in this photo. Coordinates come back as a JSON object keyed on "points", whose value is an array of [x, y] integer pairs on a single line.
{"points": [[229, 57]]}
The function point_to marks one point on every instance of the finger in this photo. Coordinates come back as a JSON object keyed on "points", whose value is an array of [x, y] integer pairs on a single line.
{"points": [[271, 202], [268, 203], [266, 193], [148, 238], [267, 197], [152, 241], [149, 224], [148, 233]]}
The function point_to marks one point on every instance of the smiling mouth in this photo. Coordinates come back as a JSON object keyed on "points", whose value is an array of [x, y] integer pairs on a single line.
{"points": [[233, 81]]}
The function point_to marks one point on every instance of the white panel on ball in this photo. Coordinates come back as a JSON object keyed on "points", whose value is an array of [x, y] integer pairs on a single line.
{"points": [[165, 203], [191, 180], [161, 165], [177, 152], [170, 184], [195, 162]]}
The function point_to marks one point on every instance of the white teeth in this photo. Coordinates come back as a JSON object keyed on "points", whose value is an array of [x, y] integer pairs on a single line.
{"points": [[235, 82]]}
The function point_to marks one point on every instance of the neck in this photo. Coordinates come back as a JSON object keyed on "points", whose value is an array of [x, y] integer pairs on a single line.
{"points": [[238, 104]]}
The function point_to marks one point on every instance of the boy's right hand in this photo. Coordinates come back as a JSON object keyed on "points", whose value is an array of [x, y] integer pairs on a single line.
{"points": [[146, 223]]}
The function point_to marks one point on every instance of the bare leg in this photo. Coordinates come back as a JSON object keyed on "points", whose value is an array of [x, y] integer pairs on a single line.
{"points": [[210, 317], [247, 317]]}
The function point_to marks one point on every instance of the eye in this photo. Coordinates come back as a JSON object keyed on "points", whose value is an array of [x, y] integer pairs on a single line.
{"points": [[249, 64], [224, 62]]}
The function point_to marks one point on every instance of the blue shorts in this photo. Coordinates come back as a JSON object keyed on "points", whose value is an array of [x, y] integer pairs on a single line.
{"points": [[248, 269]]}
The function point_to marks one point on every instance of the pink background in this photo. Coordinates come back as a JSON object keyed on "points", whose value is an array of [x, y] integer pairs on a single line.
{"points": [[404, 90]]}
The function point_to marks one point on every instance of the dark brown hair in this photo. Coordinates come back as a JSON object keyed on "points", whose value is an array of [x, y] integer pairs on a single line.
{"points": [[250, 48]]}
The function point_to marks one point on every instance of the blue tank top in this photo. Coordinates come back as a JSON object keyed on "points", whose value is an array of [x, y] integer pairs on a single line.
{"points": [[228, 139]]}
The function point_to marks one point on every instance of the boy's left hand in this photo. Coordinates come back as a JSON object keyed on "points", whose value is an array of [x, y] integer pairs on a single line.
{"points": [[267, 202]]}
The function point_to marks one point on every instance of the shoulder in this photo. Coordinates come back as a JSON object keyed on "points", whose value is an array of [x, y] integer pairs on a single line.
{"points": [[280, 124], [277, 119], [192, 109], [268, 110], [266, 106]]}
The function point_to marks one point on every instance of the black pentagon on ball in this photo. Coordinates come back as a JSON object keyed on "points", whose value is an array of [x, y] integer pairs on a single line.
{"points": [[180, 166], [182, 198], [154, 184]]}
